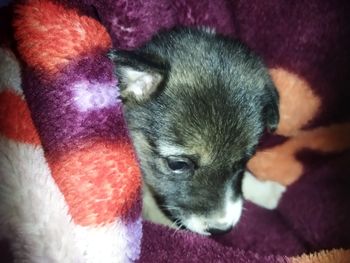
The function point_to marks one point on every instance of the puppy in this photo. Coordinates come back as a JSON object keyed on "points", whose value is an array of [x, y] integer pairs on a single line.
{"points": [[196, 104]]}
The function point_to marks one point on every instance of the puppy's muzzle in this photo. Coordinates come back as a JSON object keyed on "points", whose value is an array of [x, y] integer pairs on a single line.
{"points": [[220, 230], [217, 223]]}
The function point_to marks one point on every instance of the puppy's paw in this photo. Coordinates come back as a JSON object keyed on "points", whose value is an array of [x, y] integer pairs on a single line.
{"points": [[266, 194]]}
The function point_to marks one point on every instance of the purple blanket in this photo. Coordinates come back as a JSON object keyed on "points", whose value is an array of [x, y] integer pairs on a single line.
{"points": [[306, 44]]}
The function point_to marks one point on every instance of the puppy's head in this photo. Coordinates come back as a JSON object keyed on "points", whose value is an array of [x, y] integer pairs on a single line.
{"points": [[196, 105]]}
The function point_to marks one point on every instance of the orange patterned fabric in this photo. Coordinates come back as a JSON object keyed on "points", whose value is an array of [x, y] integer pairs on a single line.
{"points": [[50, 36], [15, 120], [298, 103], [333, 256], [280, 164], [99, 182]]}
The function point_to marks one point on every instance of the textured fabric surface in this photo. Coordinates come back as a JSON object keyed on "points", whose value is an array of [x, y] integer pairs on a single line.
{"points": [[69, 113], [306, 46]]}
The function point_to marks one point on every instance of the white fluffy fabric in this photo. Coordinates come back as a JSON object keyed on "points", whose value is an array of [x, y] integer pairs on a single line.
{"points": [[34, 216], [10, 77], [33, 213], [266, 194]]}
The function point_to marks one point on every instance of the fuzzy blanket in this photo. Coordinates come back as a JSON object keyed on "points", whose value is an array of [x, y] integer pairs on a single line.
{"points": [[69, 181]]}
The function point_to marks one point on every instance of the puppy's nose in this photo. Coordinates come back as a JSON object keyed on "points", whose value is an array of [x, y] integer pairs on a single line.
{"points": [[219, 231]]}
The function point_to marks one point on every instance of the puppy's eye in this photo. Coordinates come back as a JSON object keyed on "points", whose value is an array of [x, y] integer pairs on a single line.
{"points": [[179, 164]]}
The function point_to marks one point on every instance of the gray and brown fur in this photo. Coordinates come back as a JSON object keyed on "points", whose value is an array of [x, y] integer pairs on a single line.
{"points": [[213, 99]]}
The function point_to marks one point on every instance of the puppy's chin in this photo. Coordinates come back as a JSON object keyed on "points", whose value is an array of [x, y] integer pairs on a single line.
{"points": [[221, 222], [217, 223]]}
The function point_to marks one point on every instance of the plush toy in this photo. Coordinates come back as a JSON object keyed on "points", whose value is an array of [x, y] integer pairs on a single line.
{"points": [[69, 181], [299, 106]]}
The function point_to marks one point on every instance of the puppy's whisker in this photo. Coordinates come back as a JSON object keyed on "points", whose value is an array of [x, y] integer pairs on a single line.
{"points": [[178, 227], [174, 224], [170, 208]]}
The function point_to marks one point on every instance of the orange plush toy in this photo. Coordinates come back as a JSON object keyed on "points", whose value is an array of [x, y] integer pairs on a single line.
{"points": [[299, 105]]}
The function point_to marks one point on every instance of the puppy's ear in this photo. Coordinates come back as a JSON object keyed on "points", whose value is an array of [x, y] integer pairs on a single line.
{"points": [[271, 107], [140, 75]]}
